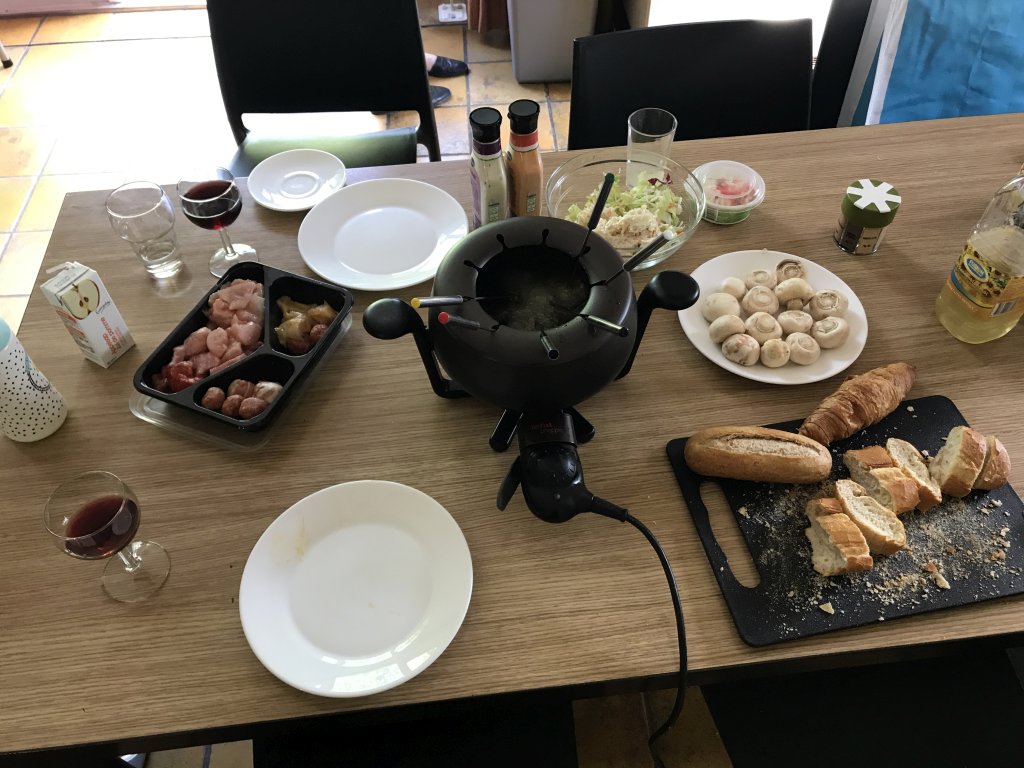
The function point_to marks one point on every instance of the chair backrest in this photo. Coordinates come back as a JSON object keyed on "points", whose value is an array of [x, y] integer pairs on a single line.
{"points": [[295, 56], [723, 78], [836, 57]]}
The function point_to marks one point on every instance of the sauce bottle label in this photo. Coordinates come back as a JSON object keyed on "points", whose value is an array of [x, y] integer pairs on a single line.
{"points": [[984, 290]]}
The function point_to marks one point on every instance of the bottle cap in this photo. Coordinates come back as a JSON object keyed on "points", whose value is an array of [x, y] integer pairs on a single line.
{"points": [[522, 115], [485, 123], [871, 203]]}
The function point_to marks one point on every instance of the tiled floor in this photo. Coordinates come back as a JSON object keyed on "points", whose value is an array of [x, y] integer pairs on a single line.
{"points": [[75, 116]]}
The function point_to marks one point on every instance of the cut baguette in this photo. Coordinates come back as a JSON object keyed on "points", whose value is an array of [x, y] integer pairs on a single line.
{"points": [[910, 460], [996, 469], [837, 545], [757, 453], [884, 532], [873, 468], [958, 463]]}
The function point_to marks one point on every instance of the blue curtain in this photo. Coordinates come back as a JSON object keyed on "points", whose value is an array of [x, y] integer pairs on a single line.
{"points": [[956, 58]]}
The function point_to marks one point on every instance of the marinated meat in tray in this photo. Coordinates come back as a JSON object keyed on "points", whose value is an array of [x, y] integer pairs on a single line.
{"points": [[234, 330]]}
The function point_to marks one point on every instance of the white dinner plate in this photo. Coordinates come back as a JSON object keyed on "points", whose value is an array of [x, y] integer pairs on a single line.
{"points": [[381, 235], [296, 180], [356, 588], [709, 277]]}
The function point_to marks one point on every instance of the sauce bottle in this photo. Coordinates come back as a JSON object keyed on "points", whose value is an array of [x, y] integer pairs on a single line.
{"points": [[487, 173], [524, 164], [982, 298]]}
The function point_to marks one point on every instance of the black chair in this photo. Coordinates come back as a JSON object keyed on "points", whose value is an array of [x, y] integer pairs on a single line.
{"points": [[840, 42], [315, 56], [724, 78]]}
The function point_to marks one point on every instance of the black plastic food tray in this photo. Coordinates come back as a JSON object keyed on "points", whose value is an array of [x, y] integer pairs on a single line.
{"points": [[785, 604], [269, 362]]}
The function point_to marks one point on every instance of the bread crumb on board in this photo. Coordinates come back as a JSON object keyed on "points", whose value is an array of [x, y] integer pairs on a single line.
{"points": [[743, 511], [827, 608], [933, 570]]}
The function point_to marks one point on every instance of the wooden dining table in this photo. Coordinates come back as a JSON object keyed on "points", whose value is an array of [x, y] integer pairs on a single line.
{"points": [[575, 609]]}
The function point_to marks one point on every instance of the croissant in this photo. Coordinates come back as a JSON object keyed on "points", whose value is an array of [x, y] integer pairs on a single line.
{"points": [[860, 402]]}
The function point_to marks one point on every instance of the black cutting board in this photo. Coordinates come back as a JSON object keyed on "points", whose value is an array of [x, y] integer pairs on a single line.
{"points": [[785, 604]]}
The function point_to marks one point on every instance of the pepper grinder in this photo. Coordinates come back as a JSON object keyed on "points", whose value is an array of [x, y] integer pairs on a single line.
{"points": [[31, 408]]}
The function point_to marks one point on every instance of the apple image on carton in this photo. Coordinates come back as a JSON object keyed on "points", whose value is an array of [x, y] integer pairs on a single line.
{"points": [[81, 299]]}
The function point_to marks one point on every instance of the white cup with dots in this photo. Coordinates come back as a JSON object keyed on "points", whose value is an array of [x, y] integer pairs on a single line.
{"points": [[31, 408]]}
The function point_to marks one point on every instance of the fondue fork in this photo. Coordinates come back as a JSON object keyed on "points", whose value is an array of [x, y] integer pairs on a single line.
{"points": [[645, 252], [446, 301], [548, 346], [446, 318], [607, 325], [595, 216]]}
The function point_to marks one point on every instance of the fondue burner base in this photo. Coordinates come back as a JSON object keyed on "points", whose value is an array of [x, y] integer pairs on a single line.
{"points": [[549, 470], [505, 429]]}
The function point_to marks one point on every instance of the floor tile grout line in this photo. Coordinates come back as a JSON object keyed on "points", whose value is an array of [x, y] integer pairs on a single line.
{"points": [[120, 40], [28, 197]]}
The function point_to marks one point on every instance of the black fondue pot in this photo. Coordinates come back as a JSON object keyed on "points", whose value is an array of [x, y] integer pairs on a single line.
{"points": [[537, 319]]}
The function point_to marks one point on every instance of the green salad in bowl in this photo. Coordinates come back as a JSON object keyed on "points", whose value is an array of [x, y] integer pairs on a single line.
{"points": [[651, 195]]}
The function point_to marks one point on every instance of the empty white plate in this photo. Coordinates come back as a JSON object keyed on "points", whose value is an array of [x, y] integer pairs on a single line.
{"points": [[296, 180], [356, 588], [381, 235]]}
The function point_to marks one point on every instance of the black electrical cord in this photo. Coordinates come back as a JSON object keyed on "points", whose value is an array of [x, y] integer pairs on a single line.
{"points": [[677, 708]]}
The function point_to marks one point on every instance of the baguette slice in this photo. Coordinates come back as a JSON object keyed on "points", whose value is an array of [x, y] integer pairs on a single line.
{"points": [[837, 545], [759, 454], [910, 460], [958, 463], [884, 532], [996, 469], [873, 468]]}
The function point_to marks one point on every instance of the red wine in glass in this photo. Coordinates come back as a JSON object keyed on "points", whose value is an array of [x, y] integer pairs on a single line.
{"points": [[95, 516], [211, 199], [102, 527], [212, 204]]}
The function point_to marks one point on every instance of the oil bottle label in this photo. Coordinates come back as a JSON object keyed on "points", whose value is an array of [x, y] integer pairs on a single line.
{"points": [[985, 290]]}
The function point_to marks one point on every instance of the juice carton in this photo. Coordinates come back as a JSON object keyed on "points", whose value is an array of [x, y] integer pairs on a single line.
{"points": [[84, 305]]}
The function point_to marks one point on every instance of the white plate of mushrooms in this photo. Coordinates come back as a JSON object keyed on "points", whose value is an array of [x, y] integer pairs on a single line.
{"points": [[774, 317]]}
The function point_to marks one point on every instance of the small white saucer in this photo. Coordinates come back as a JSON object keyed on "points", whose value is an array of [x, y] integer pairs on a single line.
{"points": [[296, 180]]}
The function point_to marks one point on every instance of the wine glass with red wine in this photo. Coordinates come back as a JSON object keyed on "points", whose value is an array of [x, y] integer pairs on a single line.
{"points": [[95, 516], [211, 199]]}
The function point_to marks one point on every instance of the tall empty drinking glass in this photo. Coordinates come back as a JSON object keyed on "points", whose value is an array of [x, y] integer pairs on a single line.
{"points": [[141, 213], [211, 199], [651, 129], [95, 516]]}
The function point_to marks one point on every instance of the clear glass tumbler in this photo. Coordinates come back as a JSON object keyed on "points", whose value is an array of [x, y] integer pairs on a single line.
{"points": [[141, 213]]}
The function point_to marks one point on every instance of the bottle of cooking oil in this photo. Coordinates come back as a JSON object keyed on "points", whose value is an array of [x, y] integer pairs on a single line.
{"points": [[983, 298]]}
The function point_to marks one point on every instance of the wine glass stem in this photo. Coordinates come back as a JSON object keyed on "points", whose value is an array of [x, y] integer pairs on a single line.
{"points": [[226, 240], [131, 561]]}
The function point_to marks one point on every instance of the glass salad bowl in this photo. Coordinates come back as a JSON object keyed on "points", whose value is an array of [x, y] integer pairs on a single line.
{"points": [[652, 193]]}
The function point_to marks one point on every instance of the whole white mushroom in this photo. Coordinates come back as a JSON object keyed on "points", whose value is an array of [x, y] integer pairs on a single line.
{"points": [[828, 303], [734, 287], [762, 327], [795, 321], [803, 349], [717, 304], [830, 332], [725, 326], [774, 353], [761, 277], [760, 298], [742, 349]]}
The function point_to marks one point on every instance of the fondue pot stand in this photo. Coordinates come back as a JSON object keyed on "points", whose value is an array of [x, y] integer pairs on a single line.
{"points": [[533, 316]]}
